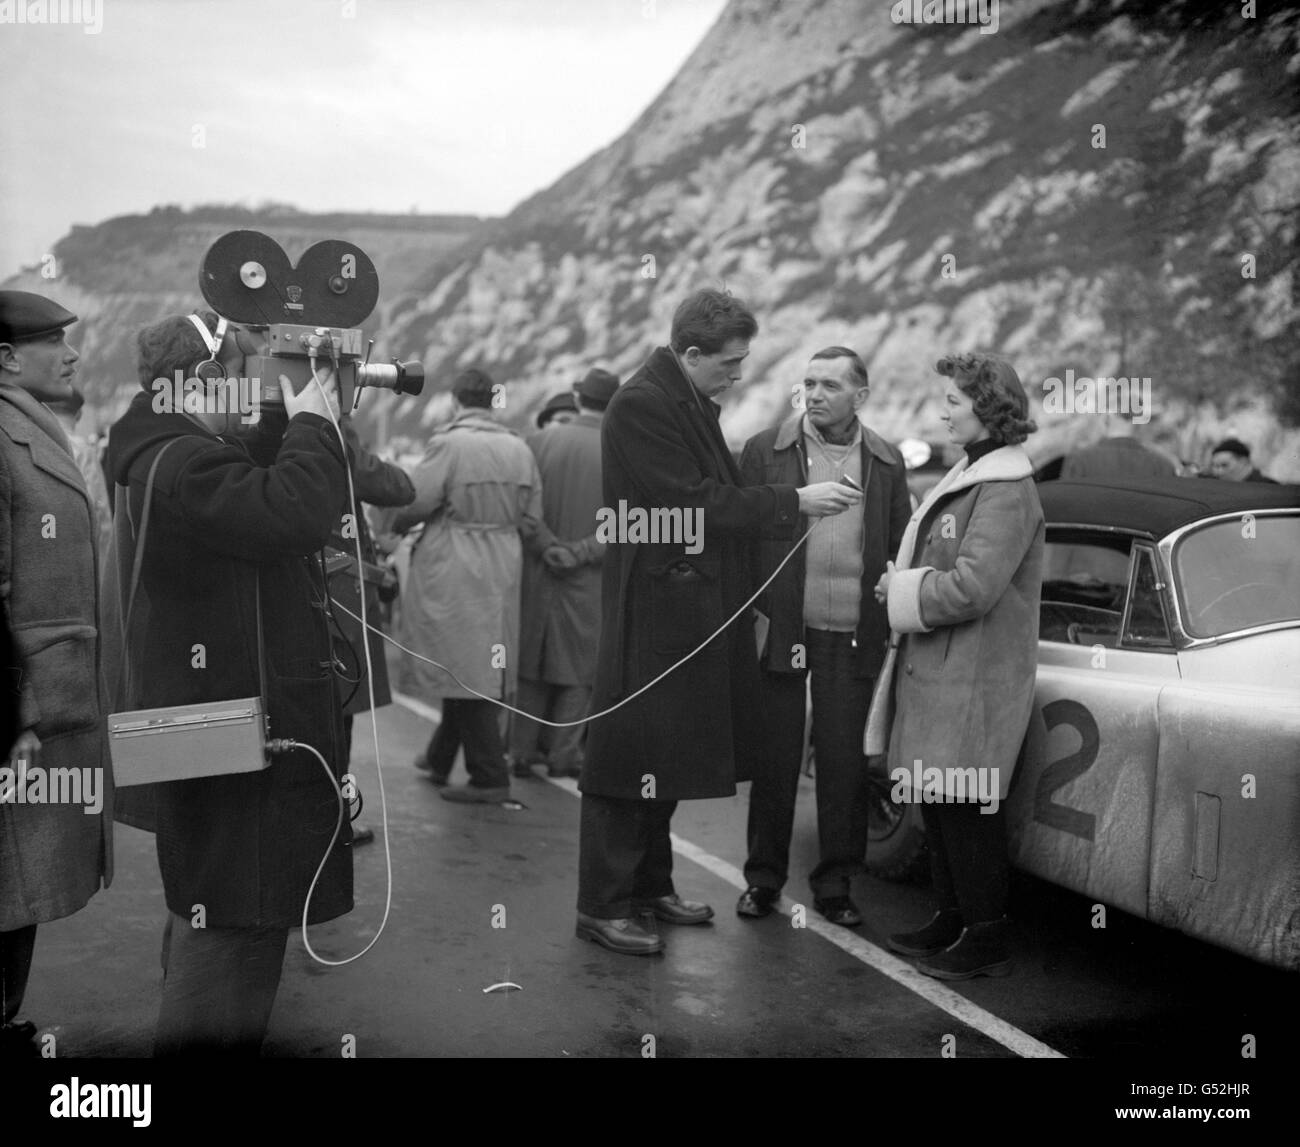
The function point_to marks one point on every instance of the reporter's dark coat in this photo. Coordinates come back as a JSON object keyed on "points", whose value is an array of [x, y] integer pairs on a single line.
{"points": [[245, 846], [778, 455], [695, 732]]}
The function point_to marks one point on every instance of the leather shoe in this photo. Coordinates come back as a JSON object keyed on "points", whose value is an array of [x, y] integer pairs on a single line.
{"points": [[619, 935], [981, 950], [943, 929], [839, 910], [757, 901], [472, 794], [673, 909]]}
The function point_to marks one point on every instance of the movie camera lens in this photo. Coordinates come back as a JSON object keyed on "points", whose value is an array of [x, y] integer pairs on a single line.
{"points": [[399, 377]]}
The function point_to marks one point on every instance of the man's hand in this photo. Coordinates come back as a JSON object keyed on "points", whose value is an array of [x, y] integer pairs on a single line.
{"points": [[28, 746], [822, 499], [559, 559], [309, 400]]}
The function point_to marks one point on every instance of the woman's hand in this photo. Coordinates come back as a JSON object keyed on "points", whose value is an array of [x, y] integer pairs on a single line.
{"points": [[882, 586]]}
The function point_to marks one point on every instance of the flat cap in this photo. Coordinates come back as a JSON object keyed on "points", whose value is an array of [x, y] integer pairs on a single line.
{"points": [[27, 316], [599, 386]]}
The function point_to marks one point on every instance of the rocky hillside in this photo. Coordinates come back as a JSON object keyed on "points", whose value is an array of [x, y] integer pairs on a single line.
{"points": [[1103, 186], [912, 189]]}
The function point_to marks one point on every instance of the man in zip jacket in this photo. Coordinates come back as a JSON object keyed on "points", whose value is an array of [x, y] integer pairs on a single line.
{"points": [[824, 620]]}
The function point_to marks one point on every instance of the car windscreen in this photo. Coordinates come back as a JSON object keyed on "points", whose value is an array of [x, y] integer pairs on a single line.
{"points": [[1238, 574]]}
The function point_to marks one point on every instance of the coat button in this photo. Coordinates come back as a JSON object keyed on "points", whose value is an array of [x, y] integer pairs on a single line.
{"points": [[908, 669]]}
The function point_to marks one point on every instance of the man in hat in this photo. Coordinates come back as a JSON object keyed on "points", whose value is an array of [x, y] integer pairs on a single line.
{"points": [[1230, 461], [560, 409], [53, 856], [477, 491], [561, 598]]}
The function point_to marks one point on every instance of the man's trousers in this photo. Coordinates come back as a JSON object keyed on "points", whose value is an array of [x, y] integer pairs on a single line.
{"points": [[625, 854], [840, 702]]}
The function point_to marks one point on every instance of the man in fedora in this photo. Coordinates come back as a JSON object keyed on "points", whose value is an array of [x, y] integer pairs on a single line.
{"points": [[560, 409], [53, 856], [561, 588]]}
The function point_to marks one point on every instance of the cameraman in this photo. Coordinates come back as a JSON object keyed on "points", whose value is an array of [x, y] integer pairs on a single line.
{"points": [[239, 511]]}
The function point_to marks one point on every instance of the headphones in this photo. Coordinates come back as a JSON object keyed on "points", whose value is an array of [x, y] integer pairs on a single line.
{"points": [[209, 370]]}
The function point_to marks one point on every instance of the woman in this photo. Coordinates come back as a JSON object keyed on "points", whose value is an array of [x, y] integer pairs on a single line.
{"points": [[963, 604], [238, 515]]}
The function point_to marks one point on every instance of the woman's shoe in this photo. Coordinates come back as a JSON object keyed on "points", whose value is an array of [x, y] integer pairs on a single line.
{"points": [[981, 950], [943, 929]]}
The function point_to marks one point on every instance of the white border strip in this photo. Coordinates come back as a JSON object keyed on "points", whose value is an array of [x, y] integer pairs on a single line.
{"points": [[419, 708]]}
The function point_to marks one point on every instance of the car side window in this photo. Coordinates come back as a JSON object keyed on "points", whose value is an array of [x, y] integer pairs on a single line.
{"points": [[1085, 583], [1146, 623]]}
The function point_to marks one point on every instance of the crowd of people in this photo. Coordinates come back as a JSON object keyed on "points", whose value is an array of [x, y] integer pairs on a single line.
{"points": [[635, 662]]}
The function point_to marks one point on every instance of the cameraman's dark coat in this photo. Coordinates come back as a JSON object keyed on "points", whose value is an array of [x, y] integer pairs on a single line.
{"points": [[378, 483], [695, 732], [778, 455], [245, 846]]}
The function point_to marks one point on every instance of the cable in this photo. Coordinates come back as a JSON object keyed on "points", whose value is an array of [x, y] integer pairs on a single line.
{"points": [[626, 700], [374, 725]]}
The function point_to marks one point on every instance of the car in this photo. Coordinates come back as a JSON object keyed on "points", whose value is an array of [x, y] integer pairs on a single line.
{"points": [[1161, 770]]}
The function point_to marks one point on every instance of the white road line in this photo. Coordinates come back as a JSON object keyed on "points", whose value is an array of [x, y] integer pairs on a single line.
{"points": [[972, 1015], [419, 708], [902, 973]]}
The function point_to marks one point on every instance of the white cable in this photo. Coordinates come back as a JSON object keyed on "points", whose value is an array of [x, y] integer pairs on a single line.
{"points": [[626, 700], [374, 725]]}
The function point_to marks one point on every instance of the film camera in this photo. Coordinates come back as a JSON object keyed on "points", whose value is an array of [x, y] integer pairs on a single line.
{"points": [[302, 314]]}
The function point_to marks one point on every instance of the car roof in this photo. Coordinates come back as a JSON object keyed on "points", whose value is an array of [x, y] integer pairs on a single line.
{"points": [[1157, 506]]}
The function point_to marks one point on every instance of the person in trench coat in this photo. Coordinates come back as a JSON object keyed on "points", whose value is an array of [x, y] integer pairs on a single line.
{"points": [[54, 853], [479, 496], [664, 592], [561, 588], [963, 601], [238, 518]]}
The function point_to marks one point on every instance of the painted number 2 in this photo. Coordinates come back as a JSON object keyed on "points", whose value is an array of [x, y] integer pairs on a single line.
{"points": [[1062, 772]]}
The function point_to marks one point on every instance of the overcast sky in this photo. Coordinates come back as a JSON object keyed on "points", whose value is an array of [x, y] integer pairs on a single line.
{"points": [[359, 105]]}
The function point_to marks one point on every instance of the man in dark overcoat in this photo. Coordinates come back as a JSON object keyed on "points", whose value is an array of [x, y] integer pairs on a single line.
{"points": [[54, 852], [681, 533]]}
